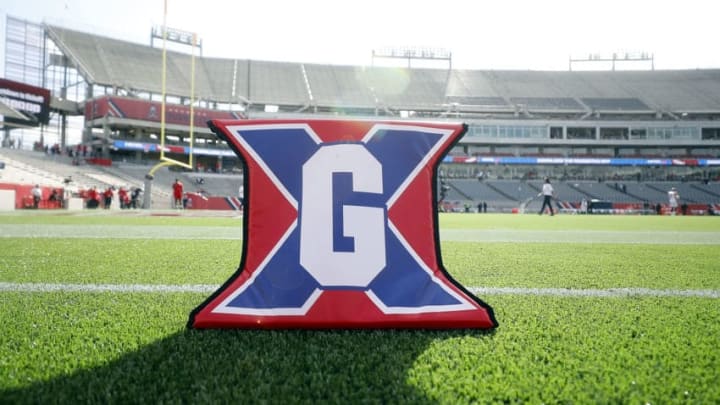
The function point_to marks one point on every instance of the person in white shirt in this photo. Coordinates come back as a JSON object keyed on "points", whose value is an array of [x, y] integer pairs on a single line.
{"points": [[583, 206], [547, 192], [37, 196], [673, 199]]}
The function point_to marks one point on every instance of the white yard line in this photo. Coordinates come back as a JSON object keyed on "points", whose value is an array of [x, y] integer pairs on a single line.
{"points": [[456, 235], [125, 288], [480, 291], [121, 232], [592, 292]]}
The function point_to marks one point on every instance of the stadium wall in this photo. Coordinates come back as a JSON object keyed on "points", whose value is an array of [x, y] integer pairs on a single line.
{"points": [[24, 199]]}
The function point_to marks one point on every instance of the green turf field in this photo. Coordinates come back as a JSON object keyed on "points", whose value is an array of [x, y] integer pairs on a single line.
{"points": [[592, 309]]}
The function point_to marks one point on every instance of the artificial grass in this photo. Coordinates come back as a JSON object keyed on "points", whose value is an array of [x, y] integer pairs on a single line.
{"points": [[446, 221], [121, 261], [83, 347], [167, 261], [119, 348], [583, 265], [110, 218], [581, 222]]}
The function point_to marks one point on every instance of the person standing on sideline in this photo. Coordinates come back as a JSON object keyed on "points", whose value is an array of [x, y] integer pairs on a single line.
{"points": [[673, 199], [36, 195], [135, 198], [93, 199], [178, 193], [241, 195], [107, 198], [547, 192]]}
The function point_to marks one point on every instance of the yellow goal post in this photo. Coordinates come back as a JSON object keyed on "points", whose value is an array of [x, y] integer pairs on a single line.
{"points": [[165, 160]]}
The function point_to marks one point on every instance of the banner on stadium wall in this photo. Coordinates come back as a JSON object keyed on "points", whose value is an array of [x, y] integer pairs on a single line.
{"points": [[512, 160], [181, 150], [340, 229], [146, 110]]}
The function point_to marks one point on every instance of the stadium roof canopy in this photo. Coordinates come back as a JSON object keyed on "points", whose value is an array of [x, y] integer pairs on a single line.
{"points": [[137, 68]]}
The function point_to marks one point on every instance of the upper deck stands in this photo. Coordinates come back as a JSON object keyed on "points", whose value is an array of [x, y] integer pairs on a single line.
{"points": [[277, 83], [339, 86], [408, 88], [122, 64]]}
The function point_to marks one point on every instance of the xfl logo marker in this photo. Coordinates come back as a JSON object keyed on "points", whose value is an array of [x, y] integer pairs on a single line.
{"points": [[340, 230]]}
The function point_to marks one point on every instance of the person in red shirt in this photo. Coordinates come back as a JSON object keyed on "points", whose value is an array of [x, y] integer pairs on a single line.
{"points": [[108, 194], [124, 198], [92, 198], [177, 193]]}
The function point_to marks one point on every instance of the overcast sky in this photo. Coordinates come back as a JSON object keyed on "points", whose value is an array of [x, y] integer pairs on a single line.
{"points": [[519, 34]]}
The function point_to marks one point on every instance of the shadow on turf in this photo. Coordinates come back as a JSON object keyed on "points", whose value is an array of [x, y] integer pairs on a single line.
{"points": [[252, 366]]}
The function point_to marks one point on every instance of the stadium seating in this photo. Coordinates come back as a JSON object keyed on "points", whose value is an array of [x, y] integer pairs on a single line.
{"points": [[28, 167], [713, 189], [689, 193], [20, 174], [485, 103], [122, 64], [500, 195], [228, 78], [547, 103], [213, 184], [602, 191], [646, 193], [504, 195], [477, 190], [658, 97], [408, 89], [565, 191], [277, 83], [514, 190], [609, 104], [471, 83], [340, 86]]}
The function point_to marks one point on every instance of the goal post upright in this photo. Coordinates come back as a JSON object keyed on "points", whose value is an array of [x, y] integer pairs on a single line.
{"points": [[165, 160], [163, 157]]}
